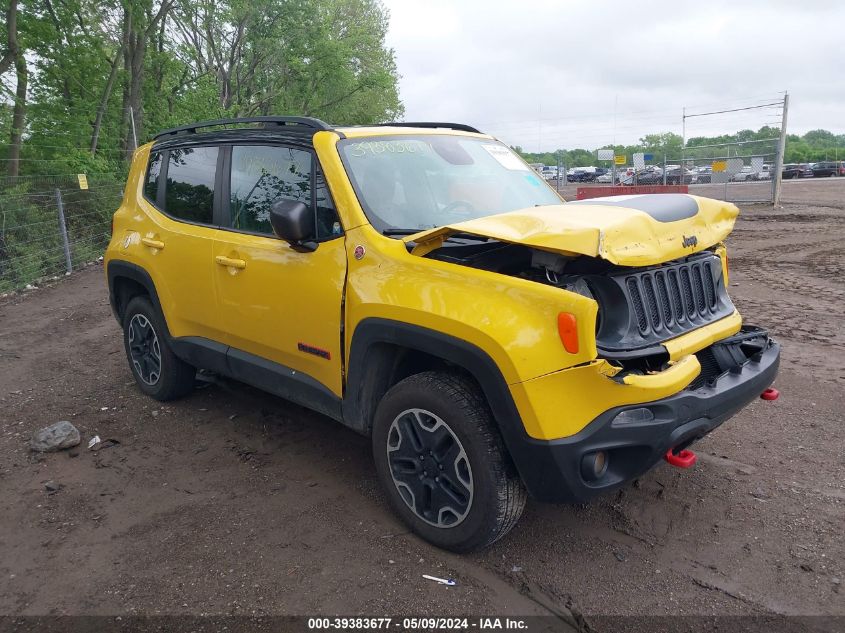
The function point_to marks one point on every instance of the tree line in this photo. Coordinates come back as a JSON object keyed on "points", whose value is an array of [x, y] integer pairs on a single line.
{"points": [[815, 145], [83, 82]]}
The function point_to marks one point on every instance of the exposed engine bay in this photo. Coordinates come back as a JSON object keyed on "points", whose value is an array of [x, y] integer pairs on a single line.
{"points": [[639, 308]]}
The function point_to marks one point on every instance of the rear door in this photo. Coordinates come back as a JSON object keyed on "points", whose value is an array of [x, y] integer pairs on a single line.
{"points": [[177, 240], [277, 304]]}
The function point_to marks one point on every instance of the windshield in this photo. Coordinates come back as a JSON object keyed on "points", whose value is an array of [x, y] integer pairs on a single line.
{"points": [[426, 181]]}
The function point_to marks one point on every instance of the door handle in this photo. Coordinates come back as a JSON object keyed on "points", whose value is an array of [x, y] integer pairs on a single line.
{"points": [[148, 241], [222, 260]]}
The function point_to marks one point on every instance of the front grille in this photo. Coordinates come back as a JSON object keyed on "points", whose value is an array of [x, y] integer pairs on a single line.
{"points": [[643, 307], [667, 298]]}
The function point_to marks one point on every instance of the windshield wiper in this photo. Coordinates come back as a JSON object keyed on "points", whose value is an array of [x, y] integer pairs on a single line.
{"points": [[453, 236], [397, 231]]}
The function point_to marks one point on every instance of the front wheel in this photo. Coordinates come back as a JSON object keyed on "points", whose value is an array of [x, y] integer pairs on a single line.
{"points": [[443, 464]]}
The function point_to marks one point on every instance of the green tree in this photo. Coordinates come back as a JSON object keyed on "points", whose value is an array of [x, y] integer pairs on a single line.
{"points": [[813, 146], [99, 73], [324, 58]]}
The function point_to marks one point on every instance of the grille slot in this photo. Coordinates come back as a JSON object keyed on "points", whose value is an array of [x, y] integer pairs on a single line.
{"points": [[686, 284], [663, 295], [710, 288], [637, 301], [678, 306], [698, 286], [653, 310]]}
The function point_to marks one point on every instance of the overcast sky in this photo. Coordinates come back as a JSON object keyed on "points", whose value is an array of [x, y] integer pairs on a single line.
{"points": [[545, 74]]}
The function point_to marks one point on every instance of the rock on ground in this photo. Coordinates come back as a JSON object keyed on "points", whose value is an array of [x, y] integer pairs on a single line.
{"points": [[55, 437]]}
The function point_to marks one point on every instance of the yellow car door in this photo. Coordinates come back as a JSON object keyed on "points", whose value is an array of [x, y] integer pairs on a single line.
{"points": [[280, 309], [175, 237]]}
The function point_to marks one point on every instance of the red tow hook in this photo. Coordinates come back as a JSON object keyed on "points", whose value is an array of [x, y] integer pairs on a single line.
{"points": [[684, 459], [770, 394]]}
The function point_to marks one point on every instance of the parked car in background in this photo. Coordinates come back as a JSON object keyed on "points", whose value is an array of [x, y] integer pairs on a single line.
{"points": [[808, 170], [654, 176], [605, 178], [703, 175], [624, 174], [585, 174], [681, 176], [792, 170], [592, 173], [649, 175], [764, 174], [825, 169], [743, 174]]}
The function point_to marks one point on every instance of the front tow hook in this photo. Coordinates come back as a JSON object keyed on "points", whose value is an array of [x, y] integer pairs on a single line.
{"points": [[770, 394], [682, 459]]}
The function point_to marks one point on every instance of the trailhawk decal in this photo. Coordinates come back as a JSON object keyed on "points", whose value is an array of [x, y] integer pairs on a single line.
{"points": [[310, 349]]}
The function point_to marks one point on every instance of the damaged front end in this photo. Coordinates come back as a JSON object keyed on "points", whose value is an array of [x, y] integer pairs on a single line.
{"points": [[653, 264], [673, 359]]}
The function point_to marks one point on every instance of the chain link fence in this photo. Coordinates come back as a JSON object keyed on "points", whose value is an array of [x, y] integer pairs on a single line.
{"points": [[743, 166], [741, 171], [50, 225], [738, 172]]}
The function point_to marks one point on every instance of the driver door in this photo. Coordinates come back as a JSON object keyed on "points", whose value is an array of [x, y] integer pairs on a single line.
{"points": [[278, 305]]}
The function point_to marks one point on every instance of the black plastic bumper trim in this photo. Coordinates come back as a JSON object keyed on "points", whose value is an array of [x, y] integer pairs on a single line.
{"points": [[635, 447]]}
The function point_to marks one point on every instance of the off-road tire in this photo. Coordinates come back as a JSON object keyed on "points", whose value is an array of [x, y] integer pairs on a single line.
{"points": [[175, 377], [498, 495]]}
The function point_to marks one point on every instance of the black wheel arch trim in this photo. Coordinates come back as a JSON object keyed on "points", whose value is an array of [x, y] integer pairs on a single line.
{"points": [[119, 268], [358, 412]]}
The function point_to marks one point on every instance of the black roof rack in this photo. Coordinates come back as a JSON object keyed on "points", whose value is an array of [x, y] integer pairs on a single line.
{"points": [[292, 122], [450, 126]]}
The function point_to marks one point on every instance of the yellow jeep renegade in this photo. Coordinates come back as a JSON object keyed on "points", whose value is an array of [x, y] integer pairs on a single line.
{"points": [[419, 283]]}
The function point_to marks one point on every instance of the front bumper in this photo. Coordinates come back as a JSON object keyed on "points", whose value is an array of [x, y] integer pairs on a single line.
{"points": [[552, 470]]}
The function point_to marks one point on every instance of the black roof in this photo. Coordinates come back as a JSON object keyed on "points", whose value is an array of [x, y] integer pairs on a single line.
{"points": [[293, 124]]}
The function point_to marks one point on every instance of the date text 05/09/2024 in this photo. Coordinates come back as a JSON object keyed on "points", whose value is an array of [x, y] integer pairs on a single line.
{"points": [[416, 623]]}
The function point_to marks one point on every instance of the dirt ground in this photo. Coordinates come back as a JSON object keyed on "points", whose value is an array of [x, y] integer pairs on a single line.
{"points": [[235, 502]]}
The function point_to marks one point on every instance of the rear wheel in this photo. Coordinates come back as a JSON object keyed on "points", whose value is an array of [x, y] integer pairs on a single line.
{"points": [[443, 464], [156, 369]]}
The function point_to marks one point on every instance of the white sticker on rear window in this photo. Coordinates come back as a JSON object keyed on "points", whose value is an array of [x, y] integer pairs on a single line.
{"points": [[506, 157]]}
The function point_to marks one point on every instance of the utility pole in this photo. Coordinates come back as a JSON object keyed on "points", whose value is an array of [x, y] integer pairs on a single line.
{"points": [[557, 180], [781, 150], [134, 135], [683, 136]]}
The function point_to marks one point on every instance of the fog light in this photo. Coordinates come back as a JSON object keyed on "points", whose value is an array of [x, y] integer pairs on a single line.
{"points": [[634, 416], [594, 465]]}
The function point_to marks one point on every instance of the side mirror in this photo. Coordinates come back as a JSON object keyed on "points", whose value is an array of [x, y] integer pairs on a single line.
{"points": [[293, 222]]}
